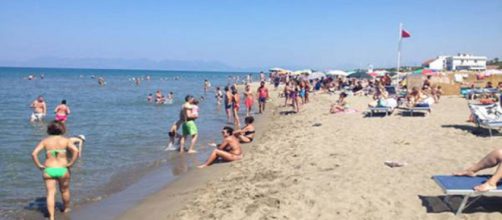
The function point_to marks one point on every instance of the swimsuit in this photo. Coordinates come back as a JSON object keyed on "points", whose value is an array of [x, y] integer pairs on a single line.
{"points": [[248, 133], [56, 172], [249, 102], [61, 117], [37, 116], [189, 128]]}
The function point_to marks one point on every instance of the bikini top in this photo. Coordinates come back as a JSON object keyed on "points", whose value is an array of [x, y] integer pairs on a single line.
{"points": [[248, 133], [55, 152]]}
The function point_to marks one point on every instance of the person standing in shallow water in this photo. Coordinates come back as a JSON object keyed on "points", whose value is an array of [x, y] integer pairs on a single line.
{"points": [[56, 166], [188, 128], [249, 100], [39, 109], [62, 111], [227, 101]]}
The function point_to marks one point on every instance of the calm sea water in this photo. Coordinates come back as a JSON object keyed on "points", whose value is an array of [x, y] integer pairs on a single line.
{"points": [[125, 134]]}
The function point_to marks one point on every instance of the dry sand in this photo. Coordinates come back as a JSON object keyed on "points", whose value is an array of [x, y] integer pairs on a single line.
{"points": [[336, 170]]}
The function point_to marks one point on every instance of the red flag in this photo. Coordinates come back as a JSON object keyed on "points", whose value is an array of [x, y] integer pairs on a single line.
{"points": [[405, 34]]}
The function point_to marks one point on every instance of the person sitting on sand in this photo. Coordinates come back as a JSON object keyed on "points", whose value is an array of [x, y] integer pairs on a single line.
{"points": [[340, 105], [228, 150], [246, 134], [493, 159], [56, 166]]}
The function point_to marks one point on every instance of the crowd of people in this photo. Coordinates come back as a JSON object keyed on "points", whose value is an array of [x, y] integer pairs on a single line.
{"points": [[62, 153]]}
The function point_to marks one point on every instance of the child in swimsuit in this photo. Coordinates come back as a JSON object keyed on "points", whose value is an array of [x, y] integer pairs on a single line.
{"points": [[195, 109]]}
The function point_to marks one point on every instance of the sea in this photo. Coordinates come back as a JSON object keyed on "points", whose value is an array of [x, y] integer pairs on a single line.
{"points": [[126, 136]]}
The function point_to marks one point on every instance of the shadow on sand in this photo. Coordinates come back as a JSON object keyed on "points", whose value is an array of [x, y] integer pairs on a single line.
{"points": [[436, 204], [481, 132], [287, 112]]}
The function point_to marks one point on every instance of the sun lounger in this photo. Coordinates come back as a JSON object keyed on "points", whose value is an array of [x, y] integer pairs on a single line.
{"points": [[464, 186], [417, 109], [385, 109], [487, 116]]}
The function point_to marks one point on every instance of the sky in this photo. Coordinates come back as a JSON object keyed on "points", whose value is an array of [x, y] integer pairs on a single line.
{"points": [[244, 35]]}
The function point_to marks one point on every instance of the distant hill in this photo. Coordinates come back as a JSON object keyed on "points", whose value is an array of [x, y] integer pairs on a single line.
{"points": [[110, 63]]}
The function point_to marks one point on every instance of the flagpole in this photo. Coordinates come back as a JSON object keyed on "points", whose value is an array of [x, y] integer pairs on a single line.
{"points": [[399, 47]]}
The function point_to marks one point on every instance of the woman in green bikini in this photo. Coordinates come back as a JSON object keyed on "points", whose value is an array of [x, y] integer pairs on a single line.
{"points": [[56, 165]]}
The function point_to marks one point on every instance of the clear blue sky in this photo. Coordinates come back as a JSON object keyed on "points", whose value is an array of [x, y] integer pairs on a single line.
{"points": [[251, 34]]}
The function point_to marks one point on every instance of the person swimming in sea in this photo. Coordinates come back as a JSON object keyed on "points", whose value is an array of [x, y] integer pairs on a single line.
{"points": [[219, 95], [56, 165], [62, 111], [149, 98], [229, 150]]}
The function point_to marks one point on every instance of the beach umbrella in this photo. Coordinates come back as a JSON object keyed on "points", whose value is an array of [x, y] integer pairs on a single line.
{"points": [[360, 74], [425, 72], [277, 69], [299, 72], [316, 75], [337, 73], [373, 74]]}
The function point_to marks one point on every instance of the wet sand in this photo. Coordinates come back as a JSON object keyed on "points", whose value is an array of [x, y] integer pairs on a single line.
{"points": [[315, 165]]}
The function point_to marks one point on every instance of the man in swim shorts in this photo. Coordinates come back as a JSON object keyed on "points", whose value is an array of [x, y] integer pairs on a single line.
{"points": [[39, 109], [227, 101], [188, 128], [262, 97]]}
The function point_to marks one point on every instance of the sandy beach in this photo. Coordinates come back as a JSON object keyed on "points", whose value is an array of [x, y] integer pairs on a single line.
{"points": [[315, 165]]}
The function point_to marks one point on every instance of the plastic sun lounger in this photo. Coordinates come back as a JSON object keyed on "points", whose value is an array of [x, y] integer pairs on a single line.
{"points": [[386, 110], [415, 109], [464, 186], [480, 114]]}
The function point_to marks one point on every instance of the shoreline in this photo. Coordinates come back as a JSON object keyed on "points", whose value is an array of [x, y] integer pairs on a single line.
{"points": [[166, 203], [316, 165]]}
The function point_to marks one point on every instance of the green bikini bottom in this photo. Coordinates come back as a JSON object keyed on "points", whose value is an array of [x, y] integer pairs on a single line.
{"points": [[55, 172]]}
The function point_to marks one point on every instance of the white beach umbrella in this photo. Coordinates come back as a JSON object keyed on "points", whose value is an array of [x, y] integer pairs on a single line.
{"points": [[493, 72], [316, 75], [277, 69], [337, 73]]}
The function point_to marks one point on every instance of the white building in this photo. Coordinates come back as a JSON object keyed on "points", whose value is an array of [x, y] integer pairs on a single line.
{"points": [[466, 62], [438, 63]]}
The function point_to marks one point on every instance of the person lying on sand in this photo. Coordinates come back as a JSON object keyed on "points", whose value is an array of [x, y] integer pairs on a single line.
{"points": [[246, 134], [494, 158], [228, 150]]}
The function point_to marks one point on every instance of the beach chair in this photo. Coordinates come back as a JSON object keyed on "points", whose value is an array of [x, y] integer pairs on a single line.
{"points": [[383, 109], [464, 186], [487, 116], [426, 109]]}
